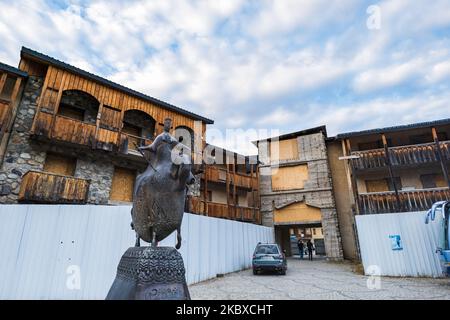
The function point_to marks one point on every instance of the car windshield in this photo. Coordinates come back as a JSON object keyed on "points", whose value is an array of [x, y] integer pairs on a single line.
{"points": [[267, 249]]}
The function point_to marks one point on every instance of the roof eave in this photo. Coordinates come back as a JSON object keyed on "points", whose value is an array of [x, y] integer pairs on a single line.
{"points": [[29, 53]]}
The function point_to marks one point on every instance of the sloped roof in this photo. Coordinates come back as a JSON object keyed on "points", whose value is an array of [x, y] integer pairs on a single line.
{"points": [[34, 55]]}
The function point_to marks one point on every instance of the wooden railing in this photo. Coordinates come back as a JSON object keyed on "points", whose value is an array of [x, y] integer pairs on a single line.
{"points": [[43, 187], [78, 132], [134, 141], [220, 210], [402, 155], [414, 200], [220, 175]]}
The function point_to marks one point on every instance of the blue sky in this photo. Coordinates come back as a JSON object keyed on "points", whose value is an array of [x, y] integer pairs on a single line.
{"points": [[283, 65]]}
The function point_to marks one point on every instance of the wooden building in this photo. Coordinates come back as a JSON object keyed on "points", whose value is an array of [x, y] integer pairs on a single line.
{"points": [[69, 136], [394, 169], [229, 187]]}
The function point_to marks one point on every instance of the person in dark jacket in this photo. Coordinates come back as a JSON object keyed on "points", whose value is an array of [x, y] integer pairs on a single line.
{"points": [[310, 247], [300, 248]]}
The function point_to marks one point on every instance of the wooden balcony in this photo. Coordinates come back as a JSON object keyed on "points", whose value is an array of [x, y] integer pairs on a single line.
{"points": [[414, 200], [401, 156], [43, 187], [220, 210], [241, 180], [77, 132]]}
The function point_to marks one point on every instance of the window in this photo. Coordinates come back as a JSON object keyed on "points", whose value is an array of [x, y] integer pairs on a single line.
{"points": [[209, 196], [59, 164], [433, 180], [71, 112], [382, 185], [8, 88], [370, 145]]}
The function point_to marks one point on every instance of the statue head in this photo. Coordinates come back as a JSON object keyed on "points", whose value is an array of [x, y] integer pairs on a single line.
{"points": [[167, 124]]}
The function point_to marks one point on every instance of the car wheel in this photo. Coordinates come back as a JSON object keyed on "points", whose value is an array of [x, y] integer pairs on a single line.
{"points": [[255, 272], [283, 272]]}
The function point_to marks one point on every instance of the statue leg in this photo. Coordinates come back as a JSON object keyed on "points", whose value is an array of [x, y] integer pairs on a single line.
{"points": [[154, 243], [178, 245], [138, 240]]}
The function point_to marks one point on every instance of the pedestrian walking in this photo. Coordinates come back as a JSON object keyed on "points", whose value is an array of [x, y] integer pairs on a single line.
{"points": [[300, 248], [310, 247]]}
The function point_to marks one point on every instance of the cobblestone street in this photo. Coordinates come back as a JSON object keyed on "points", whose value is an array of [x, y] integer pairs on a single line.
{"points": [[317, 280]]}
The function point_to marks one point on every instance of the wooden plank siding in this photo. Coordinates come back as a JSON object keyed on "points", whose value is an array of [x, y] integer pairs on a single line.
{"points": [[42, 187], [106, 134]]}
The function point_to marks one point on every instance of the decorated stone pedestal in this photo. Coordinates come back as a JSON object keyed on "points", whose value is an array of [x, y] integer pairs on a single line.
{"points": [[150, 273]]}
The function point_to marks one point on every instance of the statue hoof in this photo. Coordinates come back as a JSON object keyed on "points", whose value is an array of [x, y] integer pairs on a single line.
{"points": [[178, 245]]}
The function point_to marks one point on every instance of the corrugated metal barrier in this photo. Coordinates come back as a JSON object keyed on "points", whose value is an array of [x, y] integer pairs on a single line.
{"points": [[72, 251], [399, 244]]}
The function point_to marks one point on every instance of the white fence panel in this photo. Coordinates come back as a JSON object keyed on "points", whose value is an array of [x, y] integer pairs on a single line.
{"points": [[48, 250], [418, 256]]}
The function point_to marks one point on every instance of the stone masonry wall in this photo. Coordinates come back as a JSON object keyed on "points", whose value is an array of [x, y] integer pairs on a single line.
{"points": [[317, 190], [21, 154]]}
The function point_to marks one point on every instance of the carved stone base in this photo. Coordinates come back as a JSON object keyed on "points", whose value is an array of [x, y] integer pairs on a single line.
{"points": [[150, 273]]}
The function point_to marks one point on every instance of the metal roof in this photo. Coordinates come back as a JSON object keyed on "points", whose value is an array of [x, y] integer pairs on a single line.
{"points": [[34, 55], [13, 70], [318, 129], [395, 128]]}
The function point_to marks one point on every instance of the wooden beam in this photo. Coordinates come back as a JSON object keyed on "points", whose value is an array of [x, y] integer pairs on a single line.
{"points": [[2, 81], [440, 156], [391, 171], [205, 190], [351, 177], [58, 100]]}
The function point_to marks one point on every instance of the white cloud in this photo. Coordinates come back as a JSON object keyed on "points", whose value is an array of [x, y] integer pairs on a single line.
{"points": [[234, 60]]}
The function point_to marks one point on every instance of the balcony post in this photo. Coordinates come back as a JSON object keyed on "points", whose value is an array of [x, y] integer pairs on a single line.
{"points": [[205, 191], [57, 102], [440, 157], [391, 172]]}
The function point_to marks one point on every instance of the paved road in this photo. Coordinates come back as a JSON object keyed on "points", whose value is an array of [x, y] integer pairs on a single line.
{"points": [[317, 280]]}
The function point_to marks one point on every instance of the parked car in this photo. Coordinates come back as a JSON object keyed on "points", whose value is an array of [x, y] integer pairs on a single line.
{"points": [[269, 257]]}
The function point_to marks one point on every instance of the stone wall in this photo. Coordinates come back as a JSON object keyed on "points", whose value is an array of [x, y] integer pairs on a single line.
{"points": [[317, 191], [22, 154]]}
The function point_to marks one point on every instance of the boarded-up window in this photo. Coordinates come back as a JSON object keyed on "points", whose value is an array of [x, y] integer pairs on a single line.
{"points": [[382, 185], [298, 212], [284, 150], [110, 118], [433, 181], [55, 163], [288, 178], [122, 184]]}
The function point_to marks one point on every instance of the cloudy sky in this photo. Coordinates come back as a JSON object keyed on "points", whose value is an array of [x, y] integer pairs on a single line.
{"points": [[285, 65]]}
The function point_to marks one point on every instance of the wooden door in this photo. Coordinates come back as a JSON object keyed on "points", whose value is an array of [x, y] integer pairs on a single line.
{"points": [[122, 184]]}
